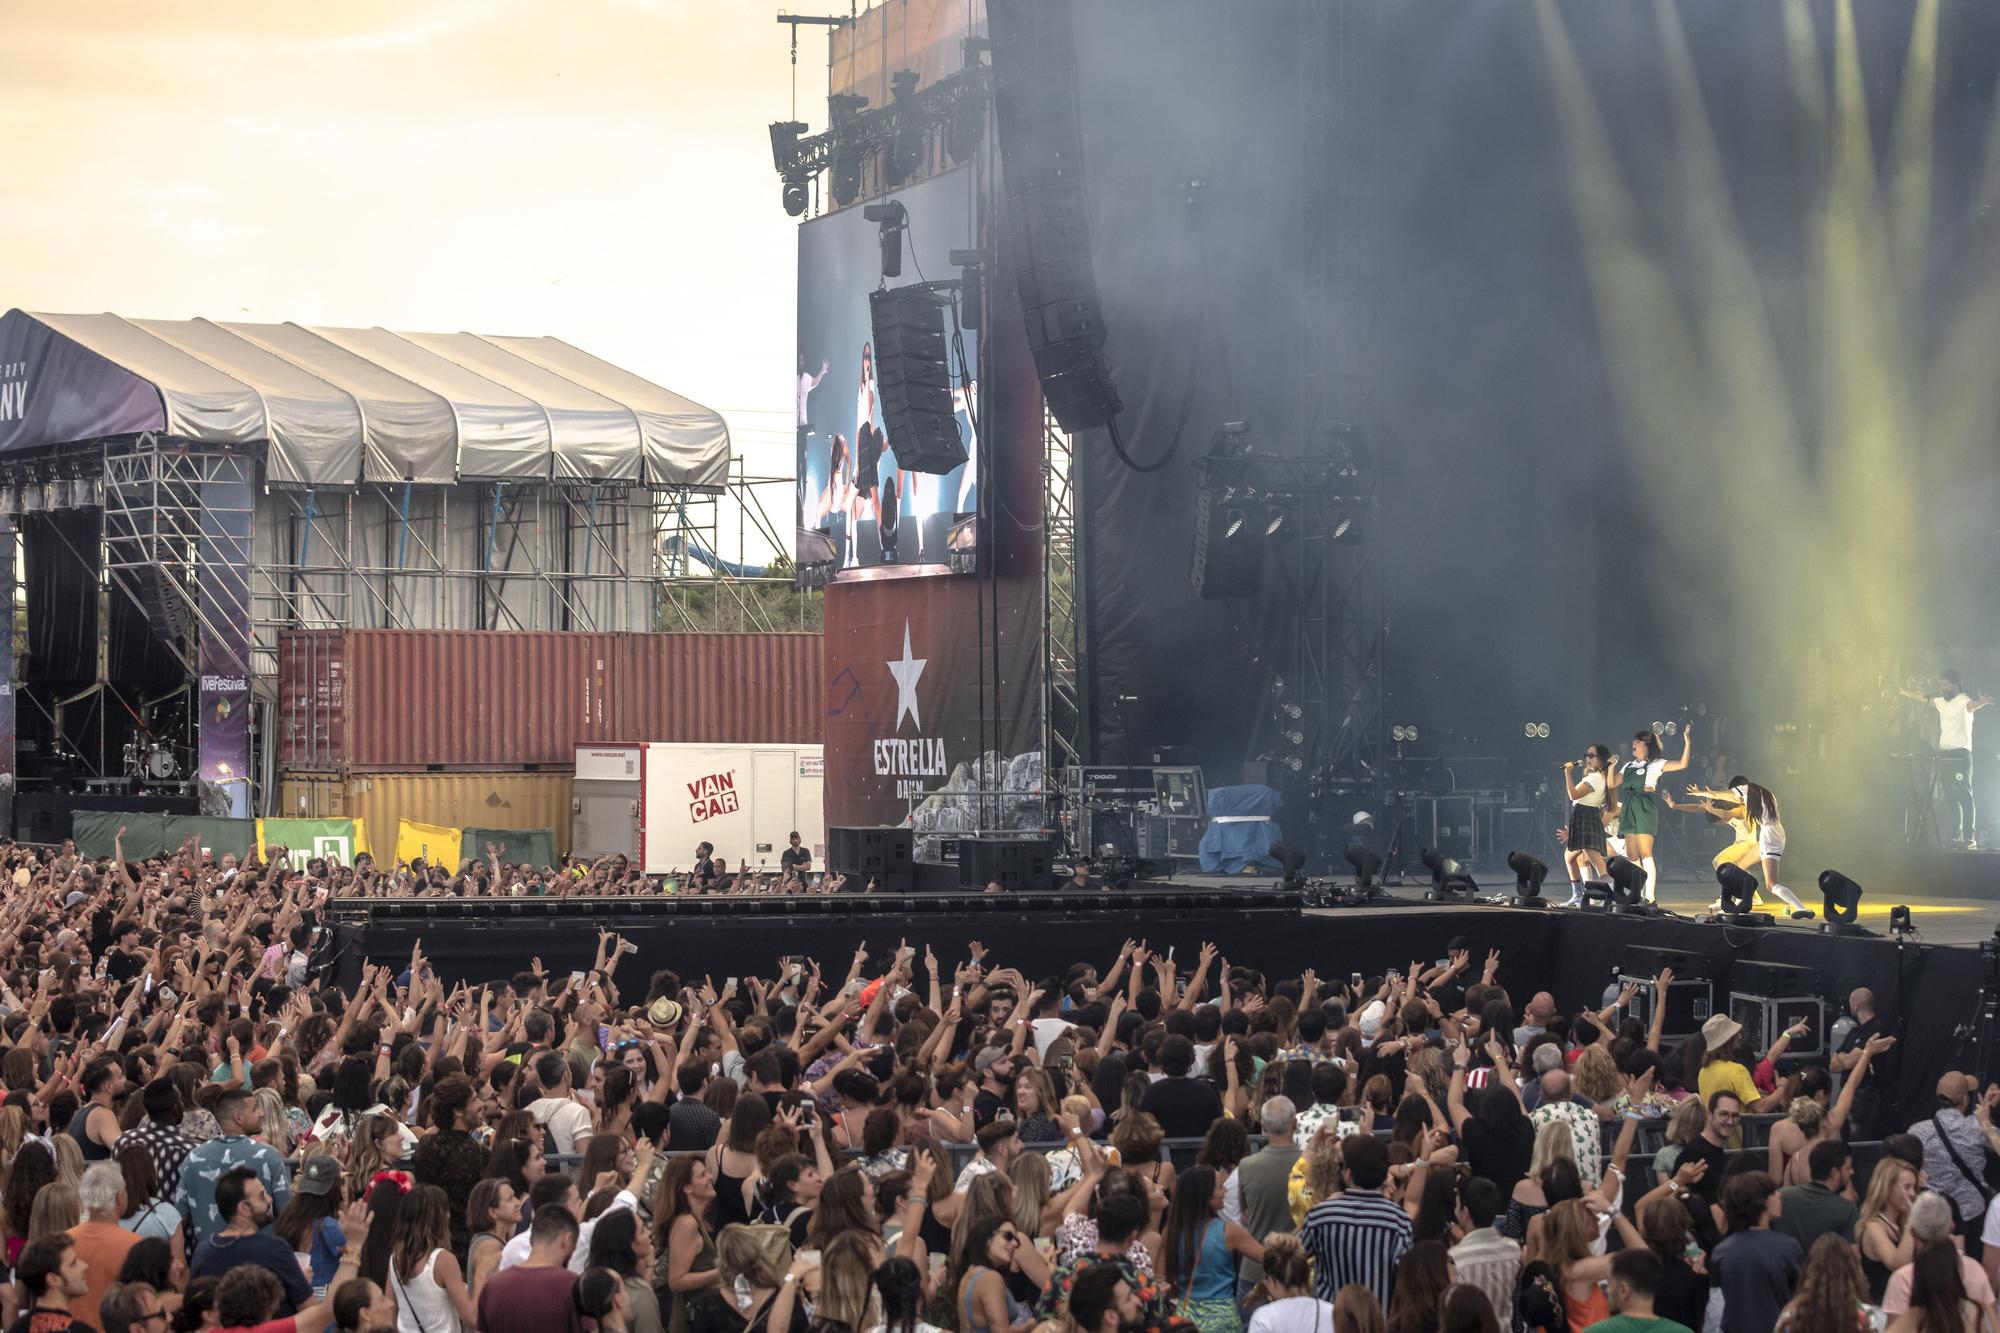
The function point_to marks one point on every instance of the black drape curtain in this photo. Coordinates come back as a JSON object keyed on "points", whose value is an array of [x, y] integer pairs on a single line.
{"points": [[137, 660], [62, 564]]}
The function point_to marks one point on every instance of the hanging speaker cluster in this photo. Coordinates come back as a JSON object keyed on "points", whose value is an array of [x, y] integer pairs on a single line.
{"points": [[1047, 215]]}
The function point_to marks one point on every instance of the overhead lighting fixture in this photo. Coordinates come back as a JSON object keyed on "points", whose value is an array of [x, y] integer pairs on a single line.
{"points": [[1901, 924], [1233, 523], [794, 197], [1274, 521], [1402, 732], [1346, 527], [847, 173]]}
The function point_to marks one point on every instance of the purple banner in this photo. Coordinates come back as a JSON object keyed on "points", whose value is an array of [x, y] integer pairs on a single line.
{"points": [[53, 391], [222, 579], [7, 675]]}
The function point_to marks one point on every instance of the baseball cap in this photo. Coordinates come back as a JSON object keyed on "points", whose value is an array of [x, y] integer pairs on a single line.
{"points": [[318, 1176], [988, 1057]]}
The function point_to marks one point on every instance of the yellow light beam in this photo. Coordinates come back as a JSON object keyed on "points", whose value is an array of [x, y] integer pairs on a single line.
{"points": [[1910, 161]]}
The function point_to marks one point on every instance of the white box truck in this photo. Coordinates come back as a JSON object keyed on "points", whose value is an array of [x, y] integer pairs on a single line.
{"points": [[654, 802]]}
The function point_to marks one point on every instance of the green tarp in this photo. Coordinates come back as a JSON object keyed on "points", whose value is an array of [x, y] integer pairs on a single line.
{"points": [[96, 831], [535, 846]]}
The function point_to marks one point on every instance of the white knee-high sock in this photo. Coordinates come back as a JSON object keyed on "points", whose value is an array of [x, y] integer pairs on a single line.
{"points": [[1787, 897], [1652, 876]]}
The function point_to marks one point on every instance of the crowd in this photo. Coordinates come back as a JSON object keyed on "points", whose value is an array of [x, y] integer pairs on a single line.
{"points": [[707, 872], [200, 1131]]}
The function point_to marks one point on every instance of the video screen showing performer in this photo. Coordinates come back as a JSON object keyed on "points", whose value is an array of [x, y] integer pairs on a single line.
{"points": [[852, 488]]}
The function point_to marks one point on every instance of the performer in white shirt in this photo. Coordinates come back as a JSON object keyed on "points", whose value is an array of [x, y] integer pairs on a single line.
{"points": [[1583, 840], [1954, 749]]}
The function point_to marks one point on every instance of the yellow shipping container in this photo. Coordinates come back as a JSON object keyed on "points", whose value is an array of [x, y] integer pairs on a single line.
{"points": [[456, 800]]}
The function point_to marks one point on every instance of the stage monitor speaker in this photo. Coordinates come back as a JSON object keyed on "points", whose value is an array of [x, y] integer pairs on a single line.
{"points": [[1012, 863], [1225, 564], [861, 852], [1779, 981], [1047, 216], [914, 379]]}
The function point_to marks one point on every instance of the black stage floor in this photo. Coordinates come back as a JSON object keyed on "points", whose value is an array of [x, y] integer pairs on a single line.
{"points": [[1569, 953]]}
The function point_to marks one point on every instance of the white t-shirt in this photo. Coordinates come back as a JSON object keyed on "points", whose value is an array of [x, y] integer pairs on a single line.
{"points": [[1954, 721], [1047, 1030], [1652, 768], [566, 1120], [1294, 1314], [1594, 797]]}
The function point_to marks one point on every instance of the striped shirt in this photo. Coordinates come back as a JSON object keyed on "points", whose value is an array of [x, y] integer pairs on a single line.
{"points": [[1356, 1237]]}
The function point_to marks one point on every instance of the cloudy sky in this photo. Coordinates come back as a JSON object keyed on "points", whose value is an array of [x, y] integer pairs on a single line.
{"points": [[594, 169]]}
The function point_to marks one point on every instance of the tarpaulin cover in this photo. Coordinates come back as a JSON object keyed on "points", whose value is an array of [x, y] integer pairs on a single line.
{"points": [[341, 839], [1241, 828], [433, 844], [535, 846], [96, 834], [334, 406]]}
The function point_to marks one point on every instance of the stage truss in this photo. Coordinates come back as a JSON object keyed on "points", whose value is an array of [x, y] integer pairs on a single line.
{"points": [[1340, 659]]}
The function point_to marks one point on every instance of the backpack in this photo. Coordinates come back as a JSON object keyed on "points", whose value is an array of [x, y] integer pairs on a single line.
{"points": [[1538, 1302]]}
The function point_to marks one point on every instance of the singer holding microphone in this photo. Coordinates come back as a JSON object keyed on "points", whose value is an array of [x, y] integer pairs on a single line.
{"points": [[1583, 838]]}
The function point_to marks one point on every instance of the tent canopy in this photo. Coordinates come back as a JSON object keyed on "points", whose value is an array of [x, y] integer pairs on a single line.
{"points": [[336, 407]]}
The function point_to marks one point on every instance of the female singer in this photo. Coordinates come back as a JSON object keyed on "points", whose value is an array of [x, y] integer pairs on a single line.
{"points": [[1752, 813], [1583, 845], [1639, 801]]}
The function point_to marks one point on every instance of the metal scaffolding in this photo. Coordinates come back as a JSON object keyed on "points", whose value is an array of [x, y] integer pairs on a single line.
{"points": [[1340, 666], [1062, 706], [161, 523]]}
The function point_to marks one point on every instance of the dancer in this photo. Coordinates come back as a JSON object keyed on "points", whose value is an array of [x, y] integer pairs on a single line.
{"points": [[1752, 814], [1583, 843], [832, 513], [1639, 801], [1954, 749]]}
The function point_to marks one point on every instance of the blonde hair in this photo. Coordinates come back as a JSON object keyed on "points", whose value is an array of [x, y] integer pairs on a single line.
{"points": [[742, 1252], [1030, 1173], [1687, 1122], [1285, 1262], [1807, 1114], [57, 1209], [277, 1132], [1553, 1142], [69, 1159], [1596, 1074], [1567, 1232], [1882, 1183]]}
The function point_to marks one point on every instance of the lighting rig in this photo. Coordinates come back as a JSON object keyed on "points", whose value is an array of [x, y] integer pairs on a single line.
{"points": [[895, 139]]}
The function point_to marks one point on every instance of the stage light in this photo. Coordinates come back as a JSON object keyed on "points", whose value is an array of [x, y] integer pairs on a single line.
{"points": [[1448, 877], [1528, 876], [1295, 738], [1842, 895], [1541, 731], [1346, 528], [1900, 922], [1528, 730], [1293, 711], [1274, 521], [1366, 866], [890, 219], [964, 130], [1294, 862], [794, 197], [847, 161], [1628, 881], [1403, 732], [905, 152], [1739, 889], [1597, 895], [1233, 522]]}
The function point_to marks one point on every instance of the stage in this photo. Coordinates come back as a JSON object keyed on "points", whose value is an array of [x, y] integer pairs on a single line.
{"points": [[1571, 954]]}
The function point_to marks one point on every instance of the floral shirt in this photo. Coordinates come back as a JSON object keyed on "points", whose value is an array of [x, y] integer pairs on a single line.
{"points": [[1076, 1240], [1155, 1301], [1584, 1134], [1319, 1113]]}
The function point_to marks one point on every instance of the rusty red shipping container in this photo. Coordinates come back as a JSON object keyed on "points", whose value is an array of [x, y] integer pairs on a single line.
{"points": [[401, 699]]}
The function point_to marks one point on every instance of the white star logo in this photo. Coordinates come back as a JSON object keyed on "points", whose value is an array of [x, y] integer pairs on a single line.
{"points": [[907, 672]]}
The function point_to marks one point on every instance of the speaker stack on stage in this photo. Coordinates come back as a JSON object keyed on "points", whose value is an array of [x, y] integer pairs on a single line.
{"points": [[884, 854], [914, 380], [1012, 863], [1690, 995], [1767, 998]]}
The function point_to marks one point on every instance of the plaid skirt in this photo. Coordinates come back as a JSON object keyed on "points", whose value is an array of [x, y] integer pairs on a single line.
{"points": [[1586, 828]]}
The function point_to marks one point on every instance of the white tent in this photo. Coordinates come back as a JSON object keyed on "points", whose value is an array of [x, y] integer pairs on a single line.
{"points": [[336, 407]]}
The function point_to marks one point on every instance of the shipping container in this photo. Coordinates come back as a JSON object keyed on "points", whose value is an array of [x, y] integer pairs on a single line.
{"points": [[361, 700], [654, 803], [455, 800]]}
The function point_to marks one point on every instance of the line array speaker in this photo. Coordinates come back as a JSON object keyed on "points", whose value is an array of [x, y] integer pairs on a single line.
{"points": [[914, 379]]}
